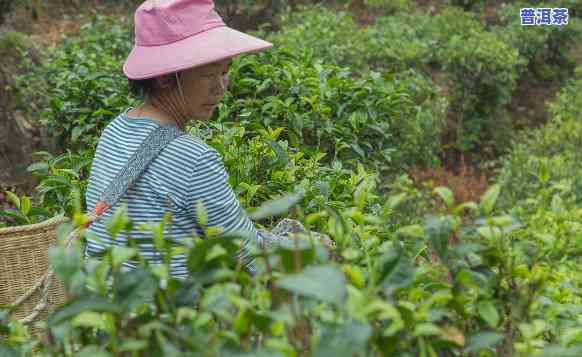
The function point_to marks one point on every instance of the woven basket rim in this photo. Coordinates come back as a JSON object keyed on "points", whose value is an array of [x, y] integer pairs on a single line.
{"points": [[35, 226]]}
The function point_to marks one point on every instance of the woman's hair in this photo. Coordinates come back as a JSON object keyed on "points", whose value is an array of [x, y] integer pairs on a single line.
{"points": [[142, 88]]}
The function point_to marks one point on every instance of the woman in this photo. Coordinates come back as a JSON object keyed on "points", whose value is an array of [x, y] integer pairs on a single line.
{"points": [[180, 64]]}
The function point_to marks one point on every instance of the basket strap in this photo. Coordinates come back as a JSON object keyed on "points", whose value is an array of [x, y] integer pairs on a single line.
{"points": [[150, 147], [148, 150]]}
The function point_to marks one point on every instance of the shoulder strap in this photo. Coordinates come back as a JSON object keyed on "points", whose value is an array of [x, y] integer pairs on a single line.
{"points": [[149, 148]]}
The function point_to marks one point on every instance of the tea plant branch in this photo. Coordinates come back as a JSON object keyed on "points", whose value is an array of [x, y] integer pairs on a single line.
{"points": [[270, 282]]}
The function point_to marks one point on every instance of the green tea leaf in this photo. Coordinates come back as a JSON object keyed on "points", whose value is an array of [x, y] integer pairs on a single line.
{"points": [[133, 345], [66, 262], [282, 156], [89, 319], [438, 229], [426, 329], [79, 305], [544, 172], [446, 195], [25, 205], [201, 214], [488, 313], [135, 287], [489, 198], [76, 133], [489, 232], [482, 341], [118, 222], [465, 205], [396, 200], [347, 339], [13, 198], [122, 254], [324, 282], [413, 231], [395, 270], [38, 166], [277, 207]]}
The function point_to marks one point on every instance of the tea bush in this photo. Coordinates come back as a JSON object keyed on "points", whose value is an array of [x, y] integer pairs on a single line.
{"points": [[389, 121], [548, 156], [485, 283], [259, 168], [413, 273], [386, 7], [392, 43], [480, 70], [80, 83], [544, 49], [400, 42], [568, 104], [332, 36], [480, 65]]}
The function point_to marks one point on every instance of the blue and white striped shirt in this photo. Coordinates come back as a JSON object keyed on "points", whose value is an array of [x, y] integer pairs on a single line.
{"points": [[185, 172]]}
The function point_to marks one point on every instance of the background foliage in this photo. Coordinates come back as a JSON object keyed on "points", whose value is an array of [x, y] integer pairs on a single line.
{"points": [[339, 112]]}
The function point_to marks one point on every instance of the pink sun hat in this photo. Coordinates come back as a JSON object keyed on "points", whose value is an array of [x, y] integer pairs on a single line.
{"points": [[173, 35]]}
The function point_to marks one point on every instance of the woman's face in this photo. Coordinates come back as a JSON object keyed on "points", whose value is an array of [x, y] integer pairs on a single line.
{"points": [[204, 87]]}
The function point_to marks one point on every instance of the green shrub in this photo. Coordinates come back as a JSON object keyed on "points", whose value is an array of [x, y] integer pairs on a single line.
{"points": [[482, 72], [388, 122], [548, 156], [540, 47], [568, 104], [383, 292], [479, 68], [262, 166], [333, 36], [392, 43], [63, 180], [413, 273], [11, 40], [386, 7], [400, 42], [23, 213], [80, 85], [278, 103], [543, 157]]}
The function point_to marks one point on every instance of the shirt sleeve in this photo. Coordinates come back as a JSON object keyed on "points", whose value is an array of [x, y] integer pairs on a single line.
{"points": [[209, 185]]}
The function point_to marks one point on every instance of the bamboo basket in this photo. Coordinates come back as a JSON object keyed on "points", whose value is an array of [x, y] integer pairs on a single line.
{"points": [[25, 278]]}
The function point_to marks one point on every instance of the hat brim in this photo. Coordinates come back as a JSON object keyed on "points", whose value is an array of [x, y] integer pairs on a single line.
{"points": [[216, 44]]}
